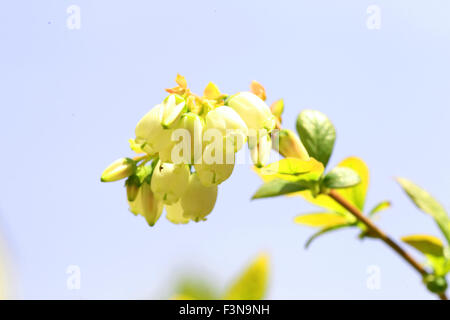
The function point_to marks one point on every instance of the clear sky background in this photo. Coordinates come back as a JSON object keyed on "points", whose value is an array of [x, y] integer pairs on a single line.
{"points": [[70, 100]]}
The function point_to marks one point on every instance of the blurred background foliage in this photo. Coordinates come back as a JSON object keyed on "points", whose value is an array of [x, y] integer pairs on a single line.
{"points": [[250, 284]]}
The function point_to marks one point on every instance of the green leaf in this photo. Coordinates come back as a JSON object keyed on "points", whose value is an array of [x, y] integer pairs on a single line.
{"points": [[356, 194], [293, 168], [380, 207], [428, 245], [280, 187], [424, 201], [341, 177], [192, 287], [324, 231], [317, 134], [252, 284], [321, 219], [440, 265]]}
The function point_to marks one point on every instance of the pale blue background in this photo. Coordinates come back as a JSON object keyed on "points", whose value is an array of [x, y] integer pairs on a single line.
{"points": [[70, 100]]}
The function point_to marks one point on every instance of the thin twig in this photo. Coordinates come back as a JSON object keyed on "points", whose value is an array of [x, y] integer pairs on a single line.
{"points": [[380, 234]]}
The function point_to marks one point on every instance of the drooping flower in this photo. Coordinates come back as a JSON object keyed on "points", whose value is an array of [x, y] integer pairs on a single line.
{"points": [[227, 123], [173, 107], [185, 145], [260, 150], [253, 110], [150, 133], [217, 171], [198, 200], [169, 181], [175, 214]]}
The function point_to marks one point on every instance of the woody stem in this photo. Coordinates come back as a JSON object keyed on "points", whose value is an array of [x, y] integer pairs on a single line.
{"points": [[380, 234]]}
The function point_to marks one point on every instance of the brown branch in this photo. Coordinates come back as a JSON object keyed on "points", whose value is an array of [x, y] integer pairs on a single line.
{"points": [[380, 234]]}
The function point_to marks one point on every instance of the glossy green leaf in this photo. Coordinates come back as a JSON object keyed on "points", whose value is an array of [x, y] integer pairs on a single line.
{"points": [[280, 187], [252, 284], [317, 134], [341, 177], [424, 201], [428, 245], [380, 207]]}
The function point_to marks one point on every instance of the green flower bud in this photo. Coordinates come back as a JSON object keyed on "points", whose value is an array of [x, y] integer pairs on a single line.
{"points": [[198, 201], [150, 133], [173, 107], [132, 185], [436, 284], [146, 204], [175, 214], [169, 181], [289, 145], [136, 204], [253, 110], [119, 169], [217, 172], [260, 151], [151, 206]]}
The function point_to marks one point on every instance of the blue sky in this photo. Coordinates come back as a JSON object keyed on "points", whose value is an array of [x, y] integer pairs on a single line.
{"points": [[70, 100]]}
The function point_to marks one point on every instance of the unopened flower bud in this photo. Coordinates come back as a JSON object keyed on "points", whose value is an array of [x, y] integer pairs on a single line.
{"points": [[260, 151], [193, 105], [198, 201], [169, 181], [289, 145], [136, 204], [173, 107], [132, 185], [253, 110], [119, 169], [150, 133], [434, 283], [151, 206]]}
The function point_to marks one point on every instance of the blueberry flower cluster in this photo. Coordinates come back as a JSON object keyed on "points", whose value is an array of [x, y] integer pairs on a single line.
{"points": [[186, 147]]}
